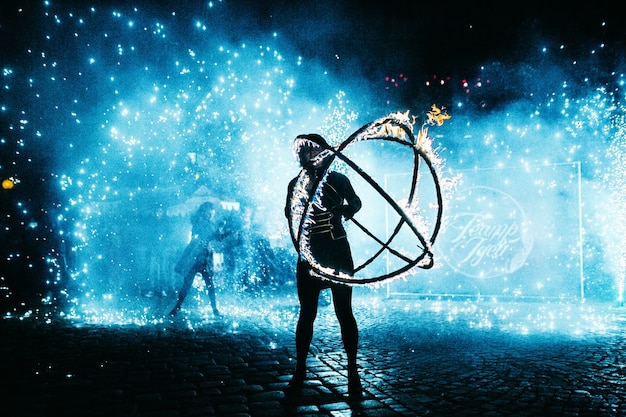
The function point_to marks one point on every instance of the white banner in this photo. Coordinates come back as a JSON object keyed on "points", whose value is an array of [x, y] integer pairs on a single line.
{"points": [[508, 233]]}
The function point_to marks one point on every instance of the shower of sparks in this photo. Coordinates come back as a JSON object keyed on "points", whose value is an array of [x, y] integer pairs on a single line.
{"points": [[113, 114]]}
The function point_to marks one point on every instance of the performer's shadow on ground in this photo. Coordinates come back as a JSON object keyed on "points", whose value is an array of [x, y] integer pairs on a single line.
{"points": [[314, 394]]}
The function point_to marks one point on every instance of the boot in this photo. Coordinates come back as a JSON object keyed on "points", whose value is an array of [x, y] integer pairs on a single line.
{"points": [[297, 381], [355, 389]]}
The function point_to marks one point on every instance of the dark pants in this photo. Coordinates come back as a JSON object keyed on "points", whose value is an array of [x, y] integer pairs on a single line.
{"points": [[207, 274], [309, 289]]}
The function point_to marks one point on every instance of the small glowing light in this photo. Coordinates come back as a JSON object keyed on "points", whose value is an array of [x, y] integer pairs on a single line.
{"points": [[8, 184]]}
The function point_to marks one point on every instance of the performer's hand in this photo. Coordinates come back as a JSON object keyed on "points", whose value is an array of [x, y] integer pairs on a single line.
{"points": [[341, 211]]}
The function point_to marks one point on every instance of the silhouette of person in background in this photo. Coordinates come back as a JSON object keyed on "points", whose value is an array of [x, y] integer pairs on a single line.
{"points": [[328, 246], [198, 255]]}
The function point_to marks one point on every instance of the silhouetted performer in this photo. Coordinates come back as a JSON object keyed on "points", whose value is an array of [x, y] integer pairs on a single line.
{"points": [[198, 255], [328, 246]]}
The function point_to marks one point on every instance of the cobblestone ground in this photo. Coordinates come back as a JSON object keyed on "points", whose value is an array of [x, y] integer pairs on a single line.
{"points": [[417, 358]]}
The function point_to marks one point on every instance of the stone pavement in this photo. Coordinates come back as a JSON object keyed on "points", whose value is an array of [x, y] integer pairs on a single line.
{"points": [[417, 357]]}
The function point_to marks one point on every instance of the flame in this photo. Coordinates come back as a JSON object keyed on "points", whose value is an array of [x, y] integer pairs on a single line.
{"points": [[437, 115], [394, 131]]}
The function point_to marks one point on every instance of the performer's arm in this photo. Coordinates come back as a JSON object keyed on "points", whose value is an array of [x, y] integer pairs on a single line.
{"points": [[288, 202], [353, 202]]}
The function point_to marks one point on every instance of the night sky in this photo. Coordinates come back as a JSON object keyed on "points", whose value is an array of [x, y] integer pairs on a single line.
{"points": [[82, 77]]}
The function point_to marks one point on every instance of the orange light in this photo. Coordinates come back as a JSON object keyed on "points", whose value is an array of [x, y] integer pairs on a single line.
{"points": [[7, 184], [437, 115]]}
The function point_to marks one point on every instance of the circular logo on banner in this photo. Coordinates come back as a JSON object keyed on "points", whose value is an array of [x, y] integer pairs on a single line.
{"points": [[486, 233]]}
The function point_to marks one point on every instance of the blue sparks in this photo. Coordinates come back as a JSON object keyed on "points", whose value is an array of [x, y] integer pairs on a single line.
{"points": [[117, 119]]}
